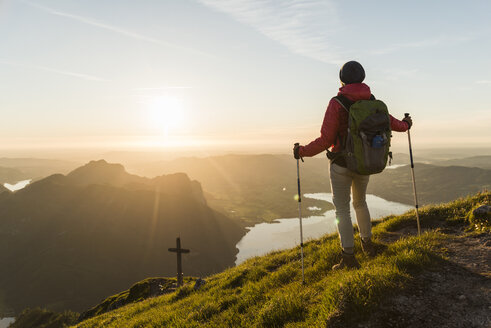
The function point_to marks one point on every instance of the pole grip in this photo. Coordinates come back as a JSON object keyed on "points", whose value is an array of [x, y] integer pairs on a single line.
{"points": [[406, 114], [296, 145]]}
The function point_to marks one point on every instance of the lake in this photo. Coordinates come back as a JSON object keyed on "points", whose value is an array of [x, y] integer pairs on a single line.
{"points": [[285, 233], [5, 322], [395, 166], [17, 186]]}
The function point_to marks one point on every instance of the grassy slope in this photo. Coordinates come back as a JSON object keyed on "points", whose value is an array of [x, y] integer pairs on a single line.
{"points": [[266, 291]]}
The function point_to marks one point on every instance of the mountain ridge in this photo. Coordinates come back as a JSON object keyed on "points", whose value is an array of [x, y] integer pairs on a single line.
{"points": [[71, 231]]}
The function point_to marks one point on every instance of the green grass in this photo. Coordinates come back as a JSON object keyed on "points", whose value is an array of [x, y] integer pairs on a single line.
{"points": [[267, 291], [456, 212], [480, 222]]}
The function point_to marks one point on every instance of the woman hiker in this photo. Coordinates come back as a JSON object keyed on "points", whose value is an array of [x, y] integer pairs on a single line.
{"points": [[334, 130]]}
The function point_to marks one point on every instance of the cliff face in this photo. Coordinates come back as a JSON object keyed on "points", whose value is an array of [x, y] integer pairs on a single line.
{"points": [[66, 242]]}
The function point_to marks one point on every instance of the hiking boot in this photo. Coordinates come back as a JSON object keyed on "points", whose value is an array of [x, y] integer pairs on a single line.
{"points": [[347, 261], [370, 248]]}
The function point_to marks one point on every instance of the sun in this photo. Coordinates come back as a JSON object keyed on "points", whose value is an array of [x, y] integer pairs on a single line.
{"points": [[165, 113]]}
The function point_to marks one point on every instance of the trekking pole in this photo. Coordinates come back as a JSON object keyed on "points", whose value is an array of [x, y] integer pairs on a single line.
{"points": [[300, 213], [412, 173]]}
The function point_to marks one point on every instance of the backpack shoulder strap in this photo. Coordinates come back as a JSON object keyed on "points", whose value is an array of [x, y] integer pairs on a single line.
{"points": [[344, 102]]}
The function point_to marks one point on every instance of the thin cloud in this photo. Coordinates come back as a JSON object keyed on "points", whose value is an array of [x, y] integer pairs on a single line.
{"points": [[442, 40], [115, 29], [303, 27], [55, 70], [484, 82], [396, 74], [145, 94], [162, 88]]}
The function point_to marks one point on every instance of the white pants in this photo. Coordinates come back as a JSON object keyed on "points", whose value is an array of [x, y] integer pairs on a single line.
{"points": [[343, 181]]}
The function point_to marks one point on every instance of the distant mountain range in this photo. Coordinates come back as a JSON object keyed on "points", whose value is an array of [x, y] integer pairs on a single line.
{"points": [[254, 188], [258, 188], [66, 242], [483, 162], [13, 170], [252, 185], [11, 175], [435, 184]]}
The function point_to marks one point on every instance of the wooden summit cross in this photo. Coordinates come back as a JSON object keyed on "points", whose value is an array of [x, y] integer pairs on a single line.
{"points": [[179, 251]]}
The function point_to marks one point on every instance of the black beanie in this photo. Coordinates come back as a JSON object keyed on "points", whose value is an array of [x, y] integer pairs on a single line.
{"points": [[352, 72]]}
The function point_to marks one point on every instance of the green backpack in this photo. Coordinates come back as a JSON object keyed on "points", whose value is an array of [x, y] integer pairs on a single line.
{"points": [[366, 146]]}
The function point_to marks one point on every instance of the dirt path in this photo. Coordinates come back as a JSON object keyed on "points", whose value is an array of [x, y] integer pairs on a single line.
{"points": [[457, 295]]}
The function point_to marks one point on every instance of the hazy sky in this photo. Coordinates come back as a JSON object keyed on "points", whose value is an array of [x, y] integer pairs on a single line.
{"points": [[235, 72]]}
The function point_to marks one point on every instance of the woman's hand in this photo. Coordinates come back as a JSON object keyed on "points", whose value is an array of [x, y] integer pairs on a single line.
{"points": [[408, 120]]}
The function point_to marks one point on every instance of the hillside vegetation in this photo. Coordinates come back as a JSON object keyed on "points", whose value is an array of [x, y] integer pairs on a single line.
{"points": [[267, 291]]}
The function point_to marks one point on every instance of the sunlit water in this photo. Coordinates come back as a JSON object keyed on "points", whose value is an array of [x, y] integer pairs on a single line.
{"points": [[5, 322], [285, 233], [395, 166], [17, 186]]}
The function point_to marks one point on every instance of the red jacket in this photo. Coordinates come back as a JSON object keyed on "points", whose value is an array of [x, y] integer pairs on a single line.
{"points": [[336, 121]]}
